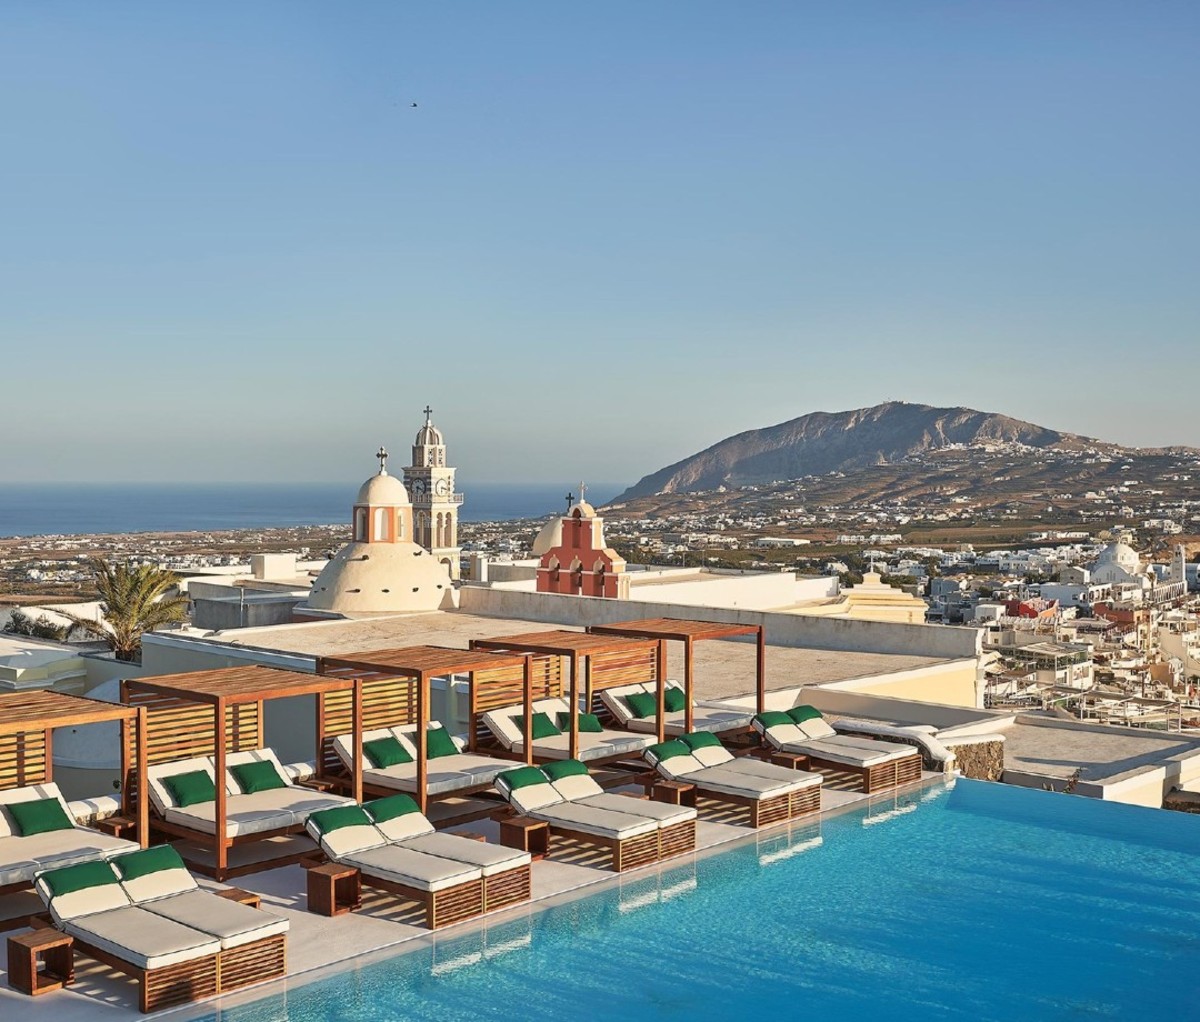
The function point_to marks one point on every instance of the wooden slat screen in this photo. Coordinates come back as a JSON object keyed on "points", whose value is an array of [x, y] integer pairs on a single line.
{"points": [[505, 686], [386, 702], [620, 667], [23, 759]]}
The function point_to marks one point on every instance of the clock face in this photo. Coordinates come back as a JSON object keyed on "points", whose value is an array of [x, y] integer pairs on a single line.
{"points": [[418, 487], [442, 487]]}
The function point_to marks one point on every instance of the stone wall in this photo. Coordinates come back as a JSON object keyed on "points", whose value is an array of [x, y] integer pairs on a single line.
{"points": [[980, 757]]}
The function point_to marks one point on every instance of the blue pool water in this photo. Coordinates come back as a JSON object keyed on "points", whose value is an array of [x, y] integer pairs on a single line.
{"points": [[980, 902]]}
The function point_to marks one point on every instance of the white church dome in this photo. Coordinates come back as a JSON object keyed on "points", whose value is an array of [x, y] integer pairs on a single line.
{"points": [[1122, 555], [383, 490], [548, 538], [429, 436], [374, 578]]}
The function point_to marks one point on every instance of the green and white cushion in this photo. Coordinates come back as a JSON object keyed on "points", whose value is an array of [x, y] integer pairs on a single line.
{"points": [[407, 733], [343, 746], [398, 818], [344, 830], [153, 873], [527, 788], [81, 890], [672, 759], [816, 728], [570, 778]]}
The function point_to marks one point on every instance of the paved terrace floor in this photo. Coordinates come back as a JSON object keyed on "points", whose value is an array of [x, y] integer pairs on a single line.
{"points": [[1099, 755], [723, 668], [383, 927]]}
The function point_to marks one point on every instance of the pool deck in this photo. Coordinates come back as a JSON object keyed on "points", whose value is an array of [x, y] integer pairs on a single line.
{"points": [[382, 927]]}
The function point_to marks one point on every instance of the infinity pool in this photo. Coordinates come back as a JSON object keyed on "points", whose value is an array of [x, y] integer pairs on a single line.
{"points": [[976, 902]]}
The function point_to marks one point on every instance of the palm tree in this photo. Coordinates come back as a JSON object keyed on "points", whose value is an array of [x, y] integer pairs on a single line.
{"points": [[133, 601]]}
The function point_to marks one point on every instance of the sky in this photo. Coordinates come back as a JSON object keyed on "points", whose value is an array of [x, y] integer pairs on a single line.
{"points": [[605, 236]]}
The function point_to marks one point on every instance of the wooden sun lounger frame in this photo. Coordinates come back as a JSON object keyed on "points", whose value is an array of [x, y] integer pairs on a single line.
{"points": [[212, 713], [195, 979], [639, 850], [27, 723], [873, 779], [462, 901]]}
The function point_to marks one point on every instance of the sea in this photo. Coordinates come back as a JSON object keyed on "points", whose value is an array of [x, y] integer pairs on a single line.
{"points": [[43, 509]]}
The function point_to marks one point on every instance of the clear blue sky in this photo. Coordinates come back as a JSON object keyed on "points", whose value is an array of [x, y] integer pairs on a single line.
{"points": [[607, 236]]}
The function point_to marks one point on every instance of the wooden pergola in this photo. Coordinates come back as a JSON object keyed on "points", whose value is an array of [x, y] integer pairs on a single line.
{"points": [[578, 648], [214, 713], [27, 724], [418, 664], [668, 629]]}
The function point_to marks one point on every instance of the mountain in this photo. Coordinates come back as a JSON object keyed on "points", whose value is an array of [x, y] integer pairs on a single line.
{"points": [[824, 442]]}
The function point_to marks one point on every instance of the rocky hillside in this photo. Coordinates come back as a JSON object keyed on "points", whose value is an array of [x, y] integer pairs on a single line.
{"points": [[824, 442]]}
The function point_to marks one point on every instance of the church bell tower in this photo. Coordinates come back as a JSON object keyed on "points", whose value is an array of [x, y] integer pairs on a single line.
{"points": [[430, 485]]}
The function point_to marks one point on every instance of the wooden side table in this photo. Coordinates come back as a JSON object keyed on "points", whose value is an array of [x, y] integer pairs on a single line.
{"points": [[676, 793], [324, 784], [791, 760], [334, 889], [240, 896], [118, 826], [56, 951], [526, 834]]}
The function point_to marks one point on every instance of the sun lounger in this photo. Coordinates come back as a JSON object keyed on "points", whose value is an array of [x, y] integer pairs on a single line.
{"points": [[396, 849], [264, 806], [508, 723], [172, 963], [637, 714], [41, 834], [802, 732], [565, 797], [771, 793], [386, 770]]}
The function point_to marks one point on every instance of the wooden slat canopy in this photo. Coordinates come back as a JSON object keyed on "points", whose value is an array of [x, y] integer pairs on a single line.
{"points": [[175, 730], [689, 632], [27, 724], [419, 663], [577, 647]]}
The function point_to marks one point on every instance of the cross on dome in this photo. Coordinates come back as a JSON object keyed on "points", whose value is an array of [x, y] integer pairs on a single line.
{"points": [[382, 455]]}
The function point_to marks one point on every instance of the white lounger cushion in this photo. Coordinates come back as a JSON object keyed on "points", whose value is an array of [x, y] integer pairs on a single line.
{"points": [[592, 745], [534, 796], [348, 840], [239, 820], [729, 780], [22, 858], [402, 828], [445, 773], [678, 766], [411, 868], [576, 786], [773, 771], [141, 937], [835, 753], [30, 793], [507, 722], [602, 822], [232, 924], [663, 813], [491, 859], [816, 728]]}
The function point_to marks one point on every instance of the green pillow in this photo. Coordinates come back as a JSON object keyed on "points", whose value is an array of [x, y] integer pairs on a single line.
{"points": [[669, 750], [386, 752], [522, 777], [543, 726], [39, 816], [561, 768], [79, 878], [799, 714], [384, 809], [329, 820], [259, 775], [674, 700], [701, 740], [147, 861], [773, 718], [642, 704], [439, 743], [191, 788], [588, 722]]}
